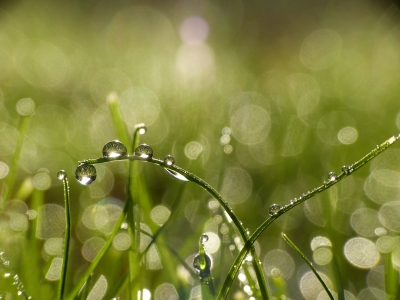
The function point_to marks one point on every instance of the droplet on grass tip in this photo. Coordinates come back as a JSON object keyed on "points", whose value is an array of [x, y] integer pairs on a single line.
{"points": [[114, 149], [177, 175], [61, 174], [144, 151], [204, 238], [274, 209], [169, 160], [85, 174], [332, 176], [142, 129], [346, 170], [207, 268]]}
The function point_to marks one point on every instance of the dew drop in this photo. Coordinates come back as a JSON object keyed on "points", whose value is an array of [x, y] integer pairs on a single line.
{"points": [[114, 149], [141, 128], [332, 176], [274, 209], [204, 238], [196, 264], [61, 174], [144, 151], [85, 174], [291, 201], [169, 160], [177, 175]]}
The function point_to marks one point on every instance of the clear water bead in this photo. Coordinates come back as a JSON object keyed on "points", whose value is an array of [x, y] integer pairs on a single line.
{"points": [[85, 174], [177, 175], [144, 151], [169, 160], [204, 238], [114, 149], [141, 128], [274, 209], [61, 174], [196, 265], [332, 176]]}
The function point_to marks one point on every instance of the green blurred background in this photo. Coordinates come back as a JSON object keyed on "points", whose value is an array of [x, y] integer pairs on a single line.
{"points": [[260, 98]]}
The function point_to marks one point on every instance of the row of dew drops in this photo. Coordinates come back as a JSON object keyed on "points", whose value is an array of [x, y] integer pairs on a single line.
{"points": [[85, 173], [274, 209]]}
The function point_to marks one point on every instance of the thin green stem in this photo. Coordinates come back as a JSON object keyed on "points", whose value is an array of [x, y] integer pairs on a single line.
{"points": [[119, 124], [249, 244], [101, 254], [22, 130], [193, 178], [308, 262], [66, 239]]}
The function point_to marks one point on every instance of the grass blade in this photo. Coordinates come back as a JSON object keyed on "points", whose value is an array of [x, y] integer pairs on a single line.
{"points": [[308, 262]]}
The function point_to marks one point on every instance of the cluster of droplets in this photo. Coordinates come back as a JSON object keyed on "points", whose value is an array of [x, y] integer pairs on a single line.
{"points": [[274, 209], [8, 272]]}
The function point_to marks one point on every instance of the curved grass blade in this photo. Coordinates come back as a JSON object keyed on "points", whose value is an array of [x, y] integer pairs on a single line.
{"points": [[308, 262], [249, 244], [200, 182], [62, 175]]}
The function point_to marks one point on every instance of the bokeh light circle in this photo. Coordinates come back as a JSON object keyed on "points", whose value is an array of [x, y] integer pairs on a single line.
{"points": [[361, 252]]}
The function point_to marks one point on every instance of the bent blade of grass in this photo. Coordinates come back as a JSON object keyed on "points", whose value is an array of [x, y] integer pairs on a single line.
{"points": [[67, 238], [119, 124], [200, 182], [308, 262], [249, 244]]}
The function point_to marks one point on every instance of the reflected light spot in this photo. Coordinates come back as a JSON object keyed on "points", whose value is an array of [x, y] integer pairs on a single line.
{"points": [[122, 241], [41, 181], [364, 221], [322, 256], [25, 107], [99, 289], [4, 169], [18, 222], [213, 243], [347, 135], [389, 215], [278, 261], [236, 185], [361, 252], [54, 246], [144, 294], [160, 214], [385, 244], [193, 150], [194, 30], [310, 286], [320, 241], [92, 247], [54, 272], [166, 291], [50, 221], [228, 149], [380, 231]]}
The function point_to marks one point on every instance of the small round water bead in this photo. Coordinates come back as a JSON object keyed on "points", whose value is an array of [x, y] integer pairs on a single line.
{"points": [[169, 160], [196, 264], [274, 209], [114, 149], [85, 174], [144, 151], [204, 238], [332, 176], [61, 174], [141, 128]]}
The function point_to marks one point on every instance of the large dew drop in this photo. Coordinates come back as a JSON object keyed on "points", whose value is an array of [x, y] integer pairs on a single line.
{"points": [[61, 175], [114, 149], [85, 174], [169, 160], [196, 264], [274, 209], [144, 151]]}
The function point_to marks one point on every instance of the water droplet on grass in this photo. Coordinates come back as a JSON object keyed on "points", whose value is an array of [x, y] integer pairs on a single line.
{"points": [[142, 129], [196, 264], [144, 151], [177, 175], [345, 170], [114, 149], [332, 176], [169, 160], [204, 238], [61, 174], [85, 174], [274, 209]]}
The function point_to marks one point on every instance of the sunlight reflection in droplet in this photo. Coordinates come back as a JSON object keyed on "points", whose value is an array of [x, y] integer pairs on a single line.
{"points": [[361, 252]]}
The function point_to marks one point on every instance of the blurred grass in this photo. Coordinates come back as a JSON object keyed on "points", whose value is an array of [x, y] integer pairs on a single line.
{"points": [[304, 86]]}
